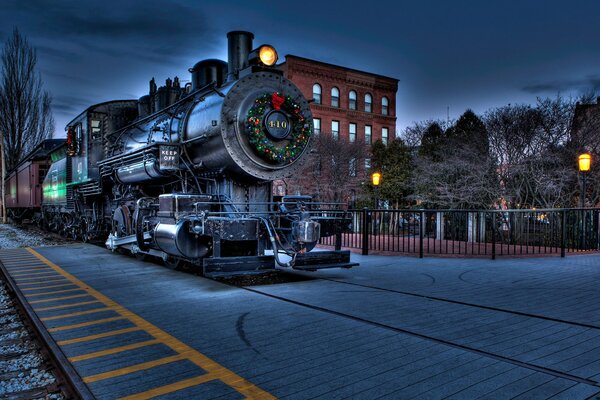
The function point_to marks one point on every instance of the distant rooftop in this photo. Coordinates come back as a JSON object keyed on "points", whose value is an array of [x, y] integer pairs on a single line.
{"points": [[339, 67]]}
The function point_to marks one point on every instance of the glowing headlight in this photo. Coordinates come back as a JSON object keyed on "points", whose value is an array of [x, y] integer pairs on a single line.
{"points": [[267, 55], [264, 55]]}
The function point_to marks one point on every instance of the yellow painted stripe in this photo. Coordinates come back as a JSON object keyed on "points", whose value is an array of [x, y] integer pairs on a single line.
{"points": [[75, 314], [214, 369], [46, 287], [27, 273], [42, 282], [133, 368], [13, 266], [175, 387], [49, 274], [84, 324], [114, 350], [55, 292], [59, 298], [83, 303], [98, 336]]}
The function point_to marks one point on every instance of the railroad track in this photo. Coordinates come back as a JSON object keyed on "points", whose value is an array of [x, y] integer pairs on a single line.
{"points": [[33, 367]]}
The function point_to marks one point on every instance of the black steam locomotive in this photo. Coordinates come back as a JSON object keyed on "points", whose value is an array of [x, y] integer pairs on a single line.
{"points": [[185, 173]]}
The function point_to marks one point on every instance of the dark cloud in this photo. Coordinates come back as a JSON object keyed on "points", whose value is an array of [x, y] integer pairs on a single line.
{"points": [[133, 27], [71, 105], [588, 84], [447, 55]]}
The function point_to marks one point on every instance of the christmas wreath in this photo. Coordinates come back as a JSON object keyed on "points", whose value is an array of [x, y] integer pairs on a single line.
{"points": [[299, 131]]}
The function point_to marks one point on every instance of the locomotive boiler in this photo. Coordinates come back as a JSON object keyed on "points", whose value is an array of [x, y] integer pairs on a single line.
{"points": [[185, 173]]}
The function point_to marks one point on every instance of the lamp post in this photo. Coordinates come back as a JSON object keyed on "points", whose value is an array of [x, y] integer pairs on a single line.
{"points": [[376, 179], [585, 162]]}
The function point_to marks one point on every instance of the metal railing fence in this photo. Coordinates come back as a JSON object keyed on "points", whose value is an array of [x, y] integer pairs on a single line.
{"points": [[478, 233]]}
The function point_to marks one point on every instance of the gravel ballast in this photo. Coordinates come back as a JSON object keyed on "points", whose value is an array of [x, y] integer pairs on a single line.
{"points": [[24, 374]]}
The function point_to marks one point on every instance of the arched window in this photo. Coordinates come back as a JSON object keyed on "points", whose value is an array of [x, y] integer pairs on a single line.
{"points": [[335, 97], [352, 100], [317, 93], [384, 105], [368, 102]]}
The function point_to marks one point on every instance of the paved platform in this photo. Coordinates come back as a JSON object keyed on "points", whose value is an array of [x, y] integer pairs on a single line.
{"points": [[395, 327]]}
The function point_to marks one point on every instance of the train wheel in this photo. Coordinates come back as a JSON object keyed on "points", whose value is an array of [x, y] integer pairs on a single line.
{"points": [[173, 263]]}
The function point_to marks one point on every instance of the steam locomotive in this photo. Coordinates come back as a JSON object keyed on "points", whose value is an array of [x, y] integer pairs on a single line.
{"points": [[185, 173]]}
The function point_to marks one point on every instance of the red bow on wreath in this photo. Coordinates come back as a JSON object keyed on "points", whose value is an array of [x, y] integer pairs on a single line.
{"points": [[277, 100]]}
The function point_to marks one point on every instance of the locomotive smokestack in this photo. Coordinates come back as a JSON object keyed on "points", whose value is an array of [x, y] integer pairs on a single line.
{"points": [[239, 46]]}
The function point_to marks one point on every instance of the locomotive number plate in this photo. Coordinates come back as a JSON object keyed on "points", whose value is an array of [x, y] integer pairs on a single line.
{"points": [[277, 124], [169, 158]]}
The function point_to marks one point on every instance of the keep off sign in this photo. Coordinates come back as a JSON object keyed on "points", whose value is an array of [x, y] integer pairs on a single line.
{"points": [[169, 157]]}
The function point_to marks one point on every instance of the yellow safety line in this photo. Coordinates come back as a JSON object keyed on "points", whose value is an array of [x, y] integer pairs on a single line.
{"points": [[84, 324], [83, 303], [43, 271], [55, 292], [227, 376], [49, 274], [114, 350], [98, 336], [159, 391], [59, 298], [39, 283], [12, 266], [46, 287], [133, 368], [75, 314]]}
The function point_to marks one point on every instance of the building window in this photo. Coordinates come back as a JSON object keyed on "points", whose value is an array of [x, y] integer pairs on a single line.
{"points": [[335, 129], [335, 97], [384, 135], [384, 105], [352, 133], [368, 103], [317, 126], [367, 164], [352, 100], [368, 134], [317, 93], [352, 167]]}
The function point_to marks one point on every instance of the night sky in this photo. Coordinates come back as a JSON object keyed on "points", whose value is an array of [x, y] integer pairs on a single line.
{"points": [[458, 54]]}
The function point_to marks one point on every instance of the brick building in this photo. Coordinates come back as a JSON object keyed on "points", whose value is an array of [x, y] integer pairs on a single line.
{"points": [[353, 105]]}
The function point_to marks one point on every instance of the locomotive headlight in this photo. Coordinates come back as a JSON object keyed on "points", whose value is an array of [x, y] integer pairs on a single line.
{"points": [[268, 55], [264, 55]]}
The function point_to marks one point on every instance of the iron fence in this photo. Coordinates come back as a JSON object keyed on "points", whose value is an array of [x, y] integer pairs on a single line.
{"points": [[478, 233]]}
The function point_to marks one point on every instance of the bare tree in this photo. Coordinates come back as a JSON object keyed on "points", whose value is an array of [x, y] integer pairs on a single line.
{"points": [[332, 171], [536, 149], [25, 113]]}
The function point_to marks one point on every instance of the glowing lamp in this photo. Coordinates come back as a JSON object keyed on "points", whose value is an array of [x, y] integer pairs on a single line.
{"points": [[376, 177], [585, 161], [263, 55]]}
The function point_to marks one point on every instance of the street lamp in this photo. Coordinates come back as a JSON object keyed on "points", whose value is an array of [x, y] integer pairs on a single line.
{"points": [[585, 162], [376, 180]]}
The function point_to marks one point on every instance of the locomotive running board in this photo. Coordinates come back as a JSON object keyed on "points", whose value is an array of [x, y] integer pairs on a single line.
{"points": [[323, 259], [229, 266]]}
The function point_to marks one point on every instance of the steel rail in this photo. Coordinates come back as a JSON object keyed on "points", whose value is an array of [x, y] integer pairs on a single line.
{"points": [[67, 378]]}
